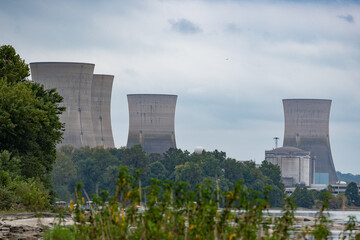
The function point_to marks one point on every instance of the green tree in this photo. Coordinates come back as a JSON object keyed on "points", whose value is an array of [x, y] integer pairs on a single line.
{"points": [[303, 197], [210, 165], [30, 126], [63, 175], [8, 164], [135, 157], [189, 172], [273, 172], [117, 152], [172, 158], [233, 170], [352, 194], [29, 117], [95, 170], [253, 177], [13, 69], [157, 170]]}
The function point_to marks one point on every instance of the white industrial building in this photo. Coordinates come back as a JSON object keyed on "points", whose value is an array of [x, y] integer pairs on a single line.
{"points": [[296, 165]]}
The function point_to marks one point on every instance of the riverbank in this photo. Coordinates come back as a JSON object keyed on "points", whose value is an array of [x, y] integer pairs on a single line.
{"points": [[29, 225], [32, 226]]}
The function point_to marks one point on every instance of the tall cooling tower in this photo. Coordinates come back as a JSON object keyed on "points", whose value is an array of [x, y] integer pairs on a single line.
{"points": [[151, 121], [100, 109], [73, 82], [307, 128]]}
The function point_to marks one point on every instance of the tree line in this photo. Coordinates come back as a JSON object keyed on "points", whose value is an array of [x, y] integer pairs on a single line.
{"points": [[348, 177], [97, 169]]}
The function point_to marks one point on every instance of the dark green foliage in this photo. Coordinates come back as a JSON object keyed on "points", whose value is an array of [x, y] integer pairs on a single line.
{"points": [[7, 198], [13, 69], [29, 195], [303, 197], [64, 173], [135, 157], [9, 167], [273, 172], [157, 170], [233, 170], [97, 169], [352, 194], [29, 118], [172, 158], [189, 172]]}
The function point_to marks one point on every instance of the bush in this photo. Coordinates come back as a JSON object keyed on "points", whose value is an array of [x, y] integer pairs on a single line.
{"points": [[7, 198], [30, 194], [60, 233]]}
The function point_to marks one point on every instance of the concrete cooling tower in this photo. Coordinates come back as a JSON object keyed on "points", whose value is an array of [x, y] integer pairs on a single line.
{"points": [[307, 128], [73, 81], [100, 109], [151, 122]]}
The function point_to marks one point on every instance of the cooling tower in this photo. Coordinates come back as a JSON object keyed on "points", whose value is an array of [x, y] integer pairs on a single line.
{"points": [[307, 128], [151, 121], [73, 82], [100, 109]]}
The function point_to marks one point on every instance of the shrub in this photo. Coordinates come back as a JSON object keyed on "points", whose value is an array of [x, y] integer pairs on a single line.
{"points": [[7, 198], [31, 194]]}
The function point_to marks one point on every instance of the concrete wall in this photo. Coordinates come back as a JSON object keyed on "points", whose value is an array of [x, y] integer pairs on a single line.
{"points": [[151, 122], [100, 109], [294, 164], [307, 128], [72, 81]]}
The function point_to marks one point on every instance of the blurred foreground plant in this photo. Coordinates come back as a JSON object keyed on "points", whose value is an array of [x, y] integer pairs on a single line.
{"points": [[168, 210]]}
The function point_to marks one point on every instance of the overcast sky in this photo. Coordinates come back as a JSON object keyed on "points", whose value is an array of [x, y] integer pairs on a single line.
{"points": [[230, 62]]}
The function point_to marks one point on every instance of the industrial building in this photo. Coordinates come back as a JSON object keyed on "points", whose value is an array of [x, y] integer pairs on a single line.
{"points": [[151, 122], [307, 128], [100, 109], [295, 164], [74, 82]]}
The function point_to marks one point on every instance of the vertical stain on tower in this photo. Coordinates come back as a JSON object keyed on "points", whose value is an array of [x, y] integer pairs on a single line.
{"points": [[151, 121], [73, 81], [307, 128], [101, 109]]}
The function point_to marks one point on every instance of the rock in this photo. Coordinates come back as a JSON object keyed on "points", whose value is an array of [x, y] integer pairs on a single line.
{"points": [[5, 229], [17, 229]]}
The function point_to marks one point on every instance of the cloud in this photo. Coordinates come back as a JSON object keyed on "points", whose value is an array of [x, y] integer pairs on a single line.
{"points": [[184, 26], [233, 28], [276, 50], [349, 18]]}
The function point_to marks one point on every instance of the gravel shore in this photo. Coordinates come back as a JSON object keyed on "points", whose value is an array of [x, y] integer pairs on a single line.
{"points": [[28, 225]]}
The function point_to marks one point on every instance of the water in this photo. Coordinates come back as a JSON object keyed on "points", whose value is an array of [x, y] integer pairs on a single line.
{"points": [[335, 216], [340, 217]]}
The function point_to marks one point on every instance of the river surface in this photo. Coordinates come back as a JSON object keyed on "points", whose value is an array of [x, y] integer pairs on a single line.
{"points": [[339, 217], [335, 216]]}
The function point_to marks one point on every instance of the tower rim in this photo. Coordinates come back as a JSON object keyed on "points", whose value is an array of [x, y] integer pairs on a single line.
{"points": [[104, 75], [74, 63], [306, 99], [149, 94]]}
